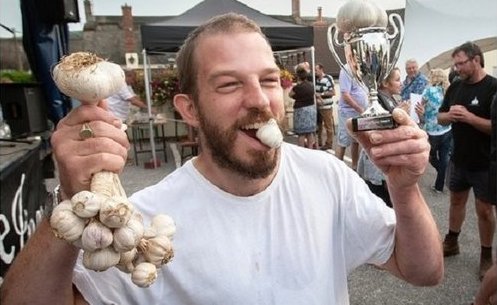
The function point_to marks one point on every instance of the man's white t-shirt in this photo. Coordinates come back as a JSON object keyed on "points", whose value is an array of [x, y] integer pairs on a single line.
{"points": [[119, 104], [293, 243]]}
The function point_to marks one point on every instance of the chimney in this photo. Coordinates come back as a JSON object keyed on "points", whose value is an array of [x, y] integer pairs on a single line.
{"points": [[128, 29], [89, 11], [319, 19], [296, 9]]}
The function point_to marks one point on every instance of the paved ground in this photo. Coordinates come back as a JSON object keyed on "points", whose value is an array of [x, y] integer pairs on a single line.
{"points": [[369, 285]]}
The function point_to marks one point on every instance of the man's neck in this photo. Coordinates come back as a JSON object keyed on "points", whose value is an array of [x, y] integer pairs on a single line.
{"points": [[229, 181]]}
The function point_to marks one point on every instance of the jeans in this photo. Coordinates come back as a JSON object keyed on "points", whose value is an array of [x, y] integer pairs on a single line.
{"points": [[441, 147]]}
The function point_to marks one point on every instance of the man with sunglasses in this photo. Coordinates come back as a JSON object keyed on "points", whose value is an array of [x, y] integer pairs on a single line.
{"points": [[467, 107]]}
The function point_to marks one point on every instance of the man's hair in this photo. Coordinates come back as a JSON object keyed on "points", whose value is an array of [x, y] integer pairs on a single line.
{"points": [[185, 59], [471, 50], [320, 66], [411, 61], [302, 73]]}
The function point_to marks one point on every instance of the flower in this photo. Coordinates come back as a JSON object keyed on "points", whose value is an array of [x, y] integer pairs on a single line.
{"points": [[286, 78], [164, 86]]}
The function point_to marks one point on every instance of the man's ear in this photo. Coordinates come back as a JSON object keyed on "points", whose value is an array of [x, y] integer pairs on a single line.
{"points": [[185, 106]]}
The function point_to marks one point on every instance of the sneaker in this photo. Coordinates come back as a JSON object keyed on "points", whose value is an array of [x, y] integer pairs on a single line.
{"points": [[485, 264], [451, 246]]}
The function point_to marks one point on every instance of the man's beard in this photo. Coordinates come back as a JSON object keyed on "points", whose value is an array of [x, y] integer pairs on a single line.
{"points": [[221, 143]]}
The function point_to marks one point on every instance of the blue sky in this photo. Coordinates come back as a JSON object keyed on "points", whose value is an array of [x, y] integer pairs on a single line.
{"points": [[10, 13]]}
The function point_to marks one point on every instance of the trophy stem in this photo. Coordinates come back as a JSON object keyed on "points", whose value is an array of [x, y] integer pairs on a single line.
{"points": [[374, 108]]}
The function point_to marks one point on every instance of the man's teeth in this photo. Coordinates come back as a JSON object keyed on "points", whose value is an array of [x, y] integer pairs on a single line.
{"points": [[253, 126]]}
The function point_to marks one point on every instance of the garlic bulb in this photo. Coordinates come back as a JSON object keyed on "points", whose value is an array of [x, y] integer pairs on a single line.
{"points": [[270, 134], [126, 262], [115, 212], [164, 225], [128, 236], [96, 236], [88, 78], [157, 250], [65, 224], [86, 204], [144, 274], [101, 259], [356, 14]]}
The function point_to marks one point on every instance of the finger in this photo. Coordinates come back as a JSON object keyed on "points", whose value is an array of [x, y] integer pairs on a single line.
{"points": [[415, 163], [401, 133], [76, 172], [406, 147], [86, 113], [402, 117]]}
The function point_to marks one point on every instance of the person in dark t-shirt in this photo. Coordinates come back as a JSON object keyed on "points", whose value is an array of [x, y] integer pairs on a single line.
{"points": [[466, 106]]}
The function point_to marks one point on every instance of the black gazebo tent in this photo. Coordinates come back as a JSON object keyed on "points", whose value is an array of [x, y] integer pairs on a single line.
{"points": [[168, 36]]}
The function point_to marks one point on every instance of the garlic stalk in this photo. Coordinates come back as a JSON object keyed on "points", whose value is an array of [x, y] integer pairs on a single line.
{"points": [[270, 134], [101, 259], [144, 274], [65, 224], [115, 231]]}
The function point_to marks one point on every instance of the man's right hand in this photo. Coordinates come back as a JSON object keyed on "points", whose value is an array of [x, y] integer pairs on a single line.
{"points": [[78, 159]]}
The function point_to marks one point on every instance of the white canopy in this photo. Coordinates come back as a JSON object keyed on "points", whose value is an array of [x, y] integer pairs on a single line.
{"points": [[437, 27]]}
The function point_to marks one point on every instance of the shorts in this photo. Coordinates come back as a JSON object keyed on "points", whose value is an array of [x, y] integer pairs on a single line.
{"points": [[343, 137], [461, 179]]}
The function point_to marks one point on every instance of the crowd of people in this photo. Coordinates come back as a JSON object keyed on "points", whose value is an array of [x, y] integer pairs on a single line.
{"points": [[284, 225]]}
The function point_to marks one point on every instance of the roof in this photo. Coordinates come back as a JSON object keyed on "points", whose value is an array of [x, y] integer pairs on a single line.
{"points": [[168, 36]]}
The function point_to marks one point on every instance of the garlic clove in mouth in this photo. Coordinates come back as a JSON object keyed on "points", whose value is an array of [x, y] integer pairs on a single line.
{"points": [[270, 134]]}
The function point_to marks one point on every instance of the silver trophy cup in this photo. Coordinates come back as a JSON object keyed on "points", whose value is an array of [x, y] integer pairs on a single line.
{"points": [[368, 58]]}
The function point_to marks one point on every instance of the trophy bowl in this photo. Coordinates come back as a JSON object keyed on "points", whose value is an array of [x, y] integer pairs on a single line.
{"points": [[367, 49]]}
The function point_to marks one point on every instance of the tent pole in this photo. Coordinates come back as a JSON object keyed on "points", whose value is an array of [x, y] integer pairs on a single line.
{"points": [[149, 106], [313, 67]]}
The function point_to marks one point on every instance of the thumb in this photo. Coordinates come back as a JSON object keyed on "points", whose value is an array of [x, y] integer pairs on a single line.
{"points": [[401, 117]]}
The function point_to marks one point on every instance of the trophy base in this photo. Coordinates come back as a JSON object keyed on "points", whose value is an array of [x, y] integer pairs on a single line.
{"points": [[364, 123]]}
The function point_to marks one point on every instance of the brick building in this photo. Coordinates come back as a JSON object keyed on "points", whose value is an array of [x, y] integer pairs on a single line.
{"points": [[113, 36]]}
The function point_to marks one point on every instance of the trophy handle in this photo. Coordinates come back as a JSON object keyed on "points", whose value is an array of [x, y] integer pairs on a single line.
{"points": [[397, 31], [332, 41]]}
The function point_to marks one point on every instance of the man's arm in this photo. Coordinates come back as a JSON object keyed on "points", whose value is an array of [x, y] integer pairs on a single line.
{"points": [[137, 102], [42, 272], [351, 102], [402, 154]]}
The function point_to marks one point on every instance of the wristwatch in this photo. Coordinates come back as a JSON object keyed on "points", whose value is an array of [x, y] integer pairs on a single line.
{"points": [[53, 199]]}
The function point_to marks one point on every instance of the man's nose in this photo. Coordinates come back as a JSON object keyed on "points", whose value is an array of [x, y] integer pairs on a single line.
{"points": [[255, 97]]}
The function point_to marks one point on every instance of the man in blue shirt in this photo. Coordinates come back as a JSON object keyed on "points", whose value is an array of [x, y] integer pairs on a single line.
{"points": [[415, 81]]}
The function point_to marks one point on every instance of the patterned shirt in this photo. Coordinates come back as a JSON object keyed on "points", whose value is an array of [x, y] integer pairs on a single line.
{"points": [[325, 84], [417, 86], [433, 97]]}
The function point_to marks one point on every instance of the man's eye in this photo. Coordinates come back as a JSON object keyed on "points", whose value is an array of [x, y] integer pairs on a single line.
{"points": [[228, 86], [270, 80]]}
